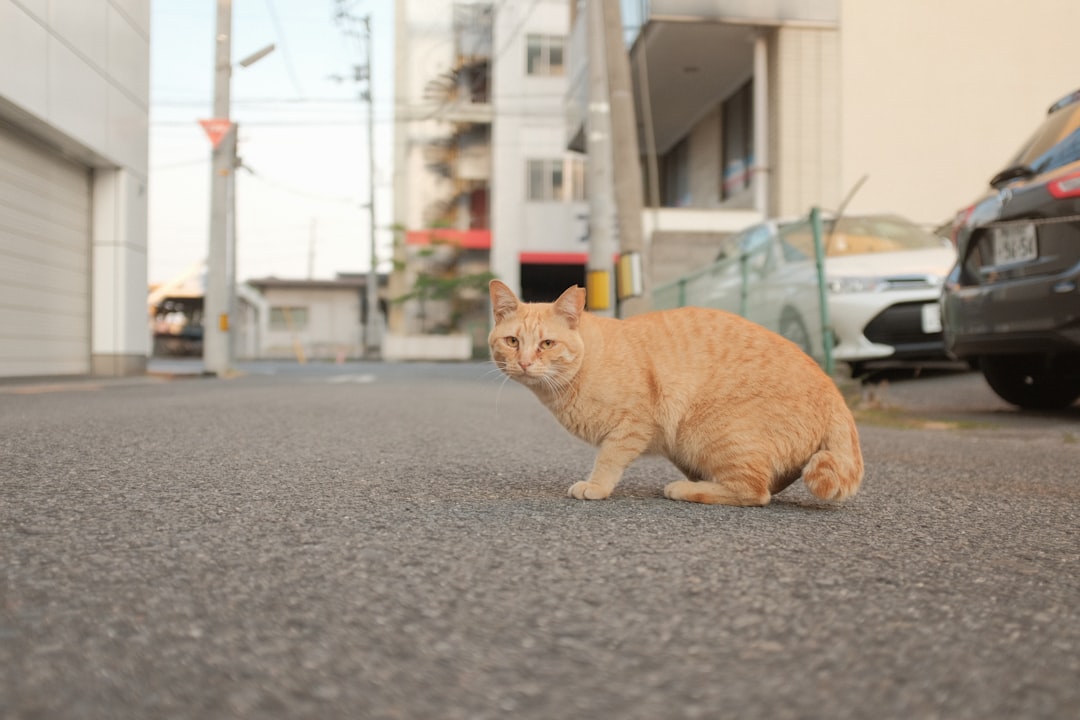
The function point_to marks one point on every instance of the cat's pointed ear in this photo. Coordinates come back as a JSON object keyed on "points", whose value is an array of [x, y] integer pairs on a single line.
{"points": [[570, 305], [503, 301]]}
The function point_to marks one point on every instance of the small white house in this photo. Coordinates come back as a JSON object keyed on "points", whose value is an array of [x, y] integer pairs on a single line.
{"points": [[310, 319]]}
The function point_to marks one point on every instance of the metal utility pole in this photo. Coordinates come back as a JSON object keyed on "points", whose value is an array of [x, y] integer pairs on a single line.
{"points": [[602, 246], [371, 330], [216, 345], [360, 30], [633, 286]]}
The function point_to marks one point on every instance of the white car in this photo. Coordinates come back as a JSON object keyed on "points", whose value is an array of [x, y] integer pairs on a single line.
{"points": [[884, 278]]}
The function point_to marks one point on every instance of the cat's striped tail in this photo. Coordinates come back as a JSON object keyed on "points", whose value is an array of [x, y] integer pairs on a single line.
{"points": [[835, 471]]}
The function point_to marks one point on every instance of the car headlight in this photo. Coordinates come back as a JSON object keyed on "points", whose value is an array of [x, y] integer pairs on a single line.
{"points": [[841, 285]]}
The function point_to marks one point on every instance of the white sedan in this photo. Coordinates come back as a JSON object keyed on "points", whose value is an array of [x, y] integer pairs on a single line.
{"points": [[884, 277]]}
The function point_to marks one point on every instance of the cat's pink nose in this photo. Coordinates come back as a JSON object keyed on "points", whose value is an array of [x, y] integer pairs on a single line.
{"points": [[524, 365]]}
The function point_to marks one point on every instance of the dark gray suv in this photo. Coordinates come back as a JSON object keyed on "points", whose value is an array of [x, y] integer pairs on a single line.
{"points": [[1011, 305]]}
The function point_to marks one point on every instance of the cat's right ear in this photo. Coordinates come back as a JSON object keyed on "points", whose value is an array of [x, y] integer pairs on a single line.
{"points": [[503, 301]]}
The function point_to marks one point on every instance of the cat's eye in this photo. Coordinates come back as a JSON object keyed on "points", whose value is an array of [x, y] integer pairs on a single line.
{"points": [[547, 344], [512, 341]]}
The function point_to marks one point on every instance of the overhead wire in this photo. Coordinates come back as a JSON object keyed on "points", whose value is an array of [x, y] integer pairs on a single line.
{"points": [[286, 57]]}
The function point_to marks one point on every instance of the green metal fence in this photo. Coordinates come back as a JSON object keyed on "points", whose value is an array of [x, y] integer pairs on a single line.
{"points": [[772, 274]]}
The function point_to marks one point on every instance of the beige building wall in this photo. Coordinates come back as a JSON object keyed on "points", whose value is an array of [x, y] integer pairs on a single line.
{"points": [[937, 96], [805, 107]]}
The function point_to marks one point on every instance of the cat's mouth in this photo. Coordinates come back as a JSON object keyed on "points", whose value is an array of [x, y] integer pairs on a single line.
{"points": [[524, 376]]}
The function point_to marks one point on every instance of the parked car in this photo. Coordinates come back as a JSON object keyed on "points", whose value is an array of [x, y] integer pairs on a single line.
{"points": [[884, 275], [765, 278], [1011, 305]]}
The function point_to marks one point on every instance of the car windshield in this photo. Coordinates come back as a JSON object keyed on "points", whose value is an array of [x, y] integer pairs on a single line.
{"points": [[1055, 143], [859, 235]]}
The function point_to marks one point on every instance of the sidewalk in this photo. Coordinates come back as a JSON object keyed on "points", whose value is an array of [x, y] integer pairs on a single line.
{"points": [[175, 367]]}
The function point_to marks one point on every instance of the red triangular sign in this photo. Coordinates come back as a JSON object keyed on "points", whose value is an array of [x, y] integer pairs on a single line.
{"points": [[216, 128]]}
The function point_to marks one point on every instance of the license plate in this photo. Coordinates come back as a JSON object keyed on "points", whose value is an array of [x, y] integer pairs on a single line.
{"points": [[931, 318], [1014, 244]]}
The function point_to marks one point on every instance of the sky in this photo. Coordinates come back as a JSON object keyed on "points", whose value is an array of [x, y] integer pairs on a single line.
{"points": [[302, 197]]}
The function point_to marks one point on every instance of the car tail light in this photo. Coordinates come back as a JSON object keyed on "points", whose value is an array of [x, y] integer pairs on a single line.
{"points": [[1065, 187]]}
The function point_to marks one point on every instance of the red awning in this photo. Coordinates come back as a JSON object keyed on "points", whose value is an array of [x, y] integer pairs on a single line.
{"points": [[467, 239], [553, 258]]}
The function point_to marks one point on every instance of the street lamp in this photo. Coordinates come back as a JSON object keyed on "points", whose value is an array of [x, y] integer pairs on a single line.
{"points": [[221, 254]]}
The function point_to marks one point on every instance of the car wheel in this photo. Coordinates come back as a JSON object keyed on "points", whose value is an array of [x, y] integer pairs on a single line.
{"points": [[1030, 381], [794, 329]]}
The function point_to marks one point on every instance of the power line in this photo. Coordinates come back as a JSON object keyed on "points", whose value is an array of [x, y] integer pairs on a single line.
{"points": [[517, 29], [284, 50], [284, 187]]}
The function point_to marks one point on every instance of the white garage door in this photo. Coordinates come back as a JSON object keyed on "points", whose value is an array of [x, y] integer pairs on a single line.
{"points": [[44, 261]]}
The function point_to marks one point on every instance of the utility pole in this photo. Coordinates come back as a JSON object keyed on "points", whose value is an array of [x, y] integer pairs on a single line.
{"points": [[219, 268], [633, 281], [602, 246], [371, 330], [220, 300], [363, 73]]}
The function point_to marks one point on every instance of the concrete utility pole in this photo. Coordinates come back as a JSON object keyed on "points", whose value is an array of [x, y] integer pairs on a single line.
{"points": [[372, 343], [359, 29], [220, 300], [602, 245], [634, 286], [219, 263]]}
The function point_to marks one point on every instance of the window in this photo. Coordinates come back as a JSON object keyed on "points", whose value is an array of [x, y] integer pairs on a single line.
{"points": [[556, 179], [738, 151], [545, 180], [544, 55], [288, 318]]}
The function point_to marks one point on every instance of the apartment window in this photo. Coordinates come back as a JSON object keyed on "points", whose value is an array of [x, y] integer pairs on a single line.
{"points": [[288, 318], [556, 179], [544, 54], [545, 180], [738, 151]]}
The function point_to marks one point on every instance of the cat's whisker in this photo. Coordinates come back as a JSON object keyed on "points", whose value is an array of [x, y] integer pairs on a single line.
{"points": [[498, 393], [497, 370]]}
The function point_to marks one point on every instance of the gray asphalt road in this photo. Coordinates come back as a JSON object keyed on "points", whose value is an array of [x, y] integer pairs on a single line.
{"points": [[381, 541]]}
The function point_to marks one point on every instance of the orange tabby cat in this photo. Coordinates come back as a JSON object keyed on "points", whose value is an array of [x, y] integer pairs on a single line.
{"points": [[741, 411]]}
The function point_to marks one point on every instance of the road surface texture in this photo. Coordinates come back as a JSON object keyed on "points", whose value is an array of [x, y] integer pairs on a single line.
{"points": [[393, 541]]}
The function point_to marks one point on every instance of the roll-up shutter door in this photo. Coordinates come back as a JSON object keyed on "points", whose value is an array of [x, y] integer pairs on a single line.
{"points": [[44, 261]]}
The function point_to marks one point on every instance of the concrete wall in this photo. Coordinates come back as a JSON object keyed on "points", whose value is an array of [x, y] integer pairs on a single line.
{"points": [[705, 160], [805, 123], [77, 77], [937, 96]]}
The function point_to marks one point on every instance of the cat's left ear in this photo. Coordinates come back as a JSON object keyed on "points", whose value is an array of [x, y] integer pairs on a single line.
{"points": [[503, 301], [570, 305]]}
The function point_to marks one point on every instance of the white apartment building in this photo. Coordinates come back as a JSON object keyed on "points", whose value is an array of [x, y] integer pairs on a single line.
{"points": [[748, 109], [74, 106], [539, 213], [481, 165]]}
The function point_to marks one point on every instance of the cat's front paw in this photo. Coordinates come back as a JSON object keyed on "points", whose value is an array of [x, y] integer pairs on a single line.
{"points": [[586, 490]]}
